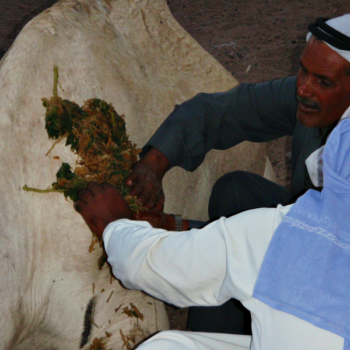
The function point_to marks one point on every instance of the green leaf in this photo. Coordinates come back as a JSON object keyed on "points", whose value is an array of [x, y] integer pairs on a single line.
{"points": [[64, 172]]}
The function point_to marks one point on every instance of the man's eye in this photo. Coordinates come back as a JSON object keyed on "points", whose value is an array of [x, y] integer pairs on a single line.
{"points": [[325, 83]]}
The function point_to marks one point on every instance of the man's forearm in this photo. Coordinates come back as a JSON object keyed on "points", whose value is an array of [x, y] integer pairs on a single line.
{"points": [[173, 266], [162, 220], [249, 112], [203, 267]]}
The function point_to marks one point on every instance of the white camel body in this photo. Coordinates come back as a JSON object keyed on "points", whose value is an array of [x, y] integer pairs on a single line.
{"points": [[131, 53]]}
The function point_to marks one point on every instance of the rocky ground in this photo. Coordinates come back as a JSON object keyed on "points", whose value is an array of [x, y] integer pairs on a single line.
{"points": [[255, 40]]}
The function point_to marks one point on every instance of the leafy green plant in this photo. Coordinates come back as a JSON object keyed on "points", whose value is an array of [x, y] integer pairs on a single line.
{"points": [[96, 134]]}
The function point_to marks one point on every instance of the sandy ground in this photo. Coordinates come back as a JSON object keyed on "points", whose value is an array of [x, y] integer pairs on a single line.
{"points": [[255, 40]]}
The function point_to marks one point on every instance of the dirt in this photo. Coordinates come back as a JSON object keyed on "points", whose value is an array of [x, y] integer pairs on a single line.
{"points": [[255, 40]]}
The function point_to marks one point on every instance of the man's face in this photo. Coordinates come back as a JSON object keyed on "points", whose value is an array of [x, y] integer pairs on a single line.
{"points": [[323, 87]]}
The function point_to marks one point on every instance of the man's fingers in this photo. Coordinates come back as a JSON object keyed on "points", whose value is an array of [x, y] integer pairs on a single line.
{"points": [[131, 180], [85, 195], [79, 206], [137, 190], [107, 186], [111, 191], [153, 198], [94, 187], [146, 193]]}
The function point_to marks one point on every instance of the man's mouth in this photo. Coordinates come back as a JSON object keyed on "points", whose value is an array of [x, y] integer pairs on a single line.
{"points": [[307, 106]]}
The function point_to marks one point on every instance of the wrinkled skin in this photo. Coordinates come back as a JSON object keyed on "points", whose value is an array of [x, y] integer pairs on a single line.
{"points": [[100, 205], [323, 87], [156, 218], [160, 220], [146, 179]]}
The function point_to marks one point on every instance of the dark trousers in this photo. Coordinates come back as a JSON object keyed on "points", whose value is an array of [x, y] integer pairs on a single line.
{"points": [[233, 193]]}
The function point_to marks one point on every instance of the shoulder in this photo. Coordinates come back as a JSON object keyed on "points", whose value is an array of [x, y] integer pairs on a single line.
{"points": [[282, 90], [276, 96]]}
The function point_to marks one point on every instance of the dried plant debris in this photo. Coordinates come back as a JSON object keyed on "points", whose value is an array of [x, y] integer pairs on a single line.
{"points": [[117, 309], [126, 340], [99, 344], [136, 334], [97, 134], [110, 296], [133, 312]]}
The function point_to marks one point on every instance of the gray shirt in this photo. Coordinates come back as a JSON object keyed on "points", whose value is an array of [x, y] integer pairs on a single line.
{"points": [[249, 112]]}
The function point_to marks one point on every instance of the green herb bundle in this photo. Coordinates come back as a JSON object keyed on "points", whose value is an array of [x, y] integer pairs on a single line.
{"points": [[96, 133]]}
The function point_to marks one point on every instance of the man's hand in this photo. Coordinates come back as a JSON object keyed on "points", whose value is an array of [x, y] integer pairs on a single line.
{"points": [[146, 179], [100, 205], [160, 220]]}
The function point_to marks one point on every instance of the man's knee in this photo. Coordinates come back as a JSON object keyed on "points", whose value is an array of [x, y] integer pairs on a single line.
{"points": [[242, 190], [230, 182], [227, 192]]}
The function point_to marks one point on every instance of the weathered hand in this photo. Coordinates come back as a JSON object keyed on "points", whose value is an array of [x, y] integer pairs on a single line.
{"points": [[100, 205], [146, 179], [159, 220]]}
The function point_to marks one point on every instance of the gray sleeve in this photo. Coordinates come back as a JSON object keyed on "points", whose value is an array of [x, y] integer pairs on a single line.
{"points": [[249, 112]]}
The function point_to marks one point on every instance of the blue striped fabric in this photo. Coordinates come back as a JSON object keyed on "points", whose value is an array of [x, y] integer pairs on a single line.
{"points": [[306, 270]]}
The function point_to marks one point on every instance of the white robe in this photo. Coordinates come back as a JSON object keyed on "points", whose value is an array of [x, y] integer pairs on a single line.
{"points": [[207, 267]]}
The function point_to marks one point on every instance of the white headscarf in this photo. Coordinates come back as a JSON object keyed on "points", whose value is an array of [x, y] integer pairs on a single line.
{"points": [[342, 25]]}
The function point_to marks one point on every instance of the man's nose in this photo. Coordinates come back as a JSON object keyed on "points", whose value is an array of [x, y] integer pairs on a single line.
{"points": [[306, 87]]}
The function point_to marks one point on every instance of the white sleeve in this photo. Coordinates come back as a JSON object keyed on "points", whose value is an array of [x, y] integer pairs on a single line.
{"points": [[199, 267]]}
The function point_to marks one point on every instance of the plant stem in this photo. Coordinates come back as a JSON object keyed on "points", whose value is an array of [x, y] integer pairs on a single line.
{"points": [[30, 189], [55, 81]]}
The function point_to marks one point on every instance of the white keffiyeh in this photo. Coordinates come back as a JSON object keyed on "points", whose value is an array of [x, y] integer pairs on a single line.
{"points": [[342, 25]]}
